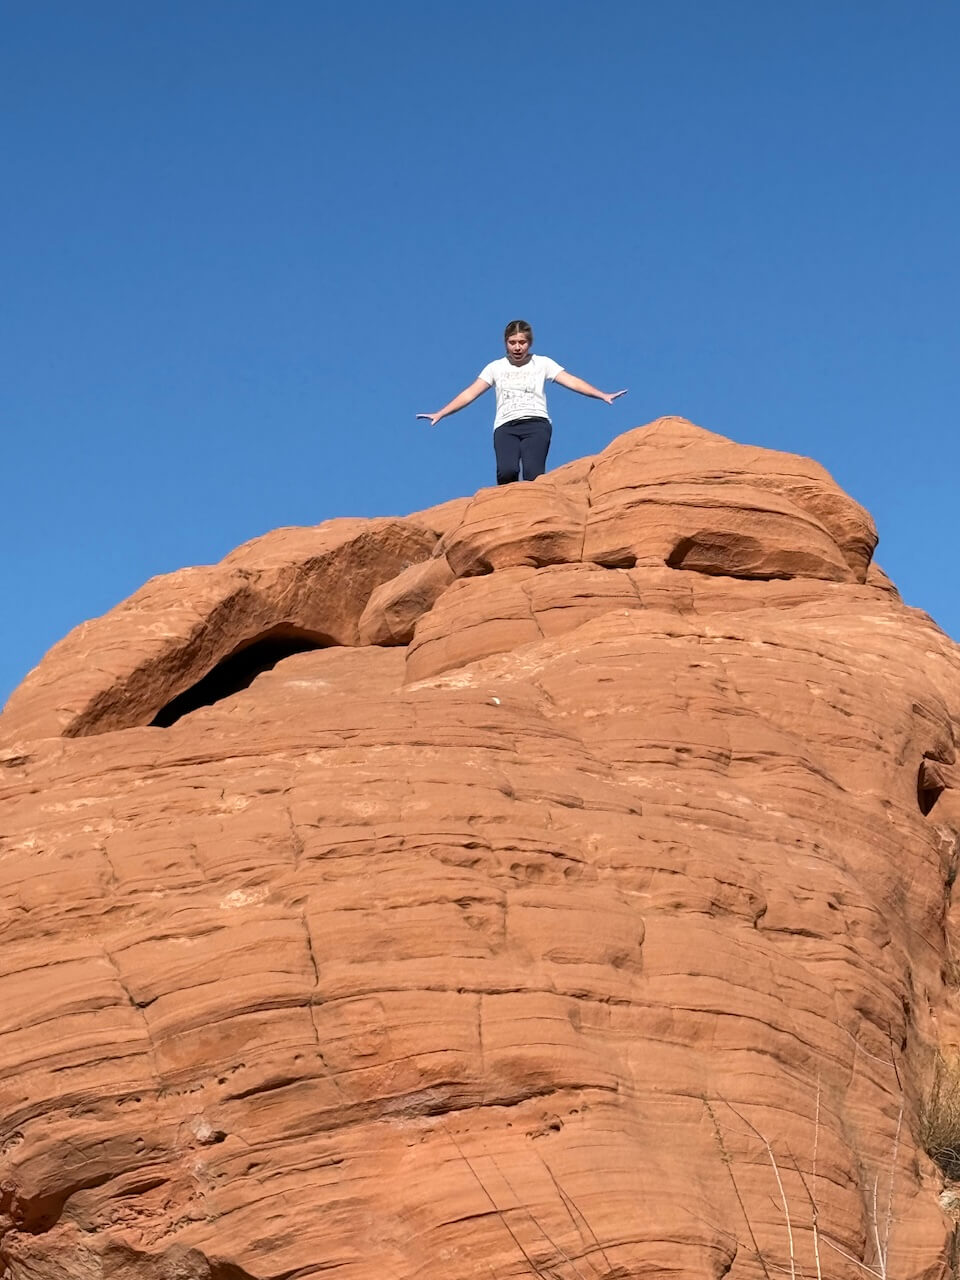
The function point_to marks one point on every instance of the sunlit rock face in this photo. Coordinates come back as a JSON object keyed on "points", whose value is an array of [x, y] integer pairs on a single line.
{"points": [[552, 883]]}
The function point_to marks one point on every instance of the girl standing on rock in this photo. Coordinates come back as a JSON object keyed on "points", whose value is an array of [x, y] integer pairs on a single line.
{"points": [[522, 427]]}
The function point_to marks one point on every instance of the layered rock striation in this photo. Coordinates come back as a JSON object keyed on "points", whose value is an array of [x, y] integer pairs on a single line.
{"points": [[556, 882]]}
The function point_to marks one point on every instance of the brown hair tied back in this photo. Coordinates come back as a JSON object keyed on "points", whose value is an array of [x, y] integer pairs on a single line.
{"points": [[517, 326]]}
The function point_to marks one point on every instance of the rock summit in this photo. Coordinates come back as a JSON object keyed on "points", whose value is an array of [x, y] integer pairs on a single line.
{"points": [[556, 882]]}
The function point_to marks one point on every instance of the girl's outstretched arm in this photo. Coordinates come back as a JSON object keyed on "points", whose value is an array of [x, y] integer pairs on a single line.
{"points": [[577, 384], [467, 396]]}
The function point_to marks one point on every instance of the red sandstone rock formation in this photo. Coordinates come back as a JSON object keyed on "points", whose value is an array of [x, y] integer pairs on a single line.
{"points": [[518, 888]]}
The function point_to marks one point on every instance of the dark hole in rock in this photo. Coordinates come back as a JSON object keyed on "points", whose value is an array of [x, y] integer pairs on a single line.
{"points": [[618, 560], [14, 762], [723, 555], [680, 552], [929, 786], [220, 1270], [239, 670], [36, 1215]]}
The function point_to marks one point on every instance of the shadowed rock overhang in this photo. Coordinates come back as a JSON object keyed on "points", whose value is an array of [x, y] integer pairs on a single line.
{"points": [[666, 494]]}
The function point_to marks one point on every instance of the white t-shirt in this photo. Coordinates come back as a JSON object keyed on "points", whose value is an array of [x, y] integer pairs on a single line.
{"points": [[519, 388]]}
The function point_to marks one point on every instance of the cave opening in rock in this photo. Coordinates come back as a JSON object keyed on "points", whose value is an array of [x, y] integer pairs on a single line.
{"points": [[617, 560], [239, 669], [930, 785]]}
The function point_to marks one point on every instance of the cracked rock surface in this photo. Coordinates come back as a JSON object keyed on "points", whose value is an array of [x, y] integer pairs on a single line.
{"points": [[553, 883]]}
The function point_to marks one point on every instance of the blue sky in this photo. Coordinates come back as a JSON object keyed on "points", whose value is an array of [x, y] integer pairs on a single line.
{"points": [[246, 241]]}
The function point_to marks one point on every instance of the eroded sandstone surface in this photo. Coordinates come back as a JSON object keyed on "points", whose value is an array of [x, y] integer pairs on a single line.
{"points": [[557, 882]]}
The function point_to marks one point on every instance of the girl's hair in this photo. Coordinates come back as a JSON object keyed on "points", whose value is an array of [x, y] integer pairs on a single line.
{"points": [[517, 326]]}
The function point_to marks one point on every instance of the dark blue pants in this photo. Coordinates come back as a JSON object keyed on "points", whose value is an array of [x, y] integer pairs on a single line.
{"points": [[526, 441]]}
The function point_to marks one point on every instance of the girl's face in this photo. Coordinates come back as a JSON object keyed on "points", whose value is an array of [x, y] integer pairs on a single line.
{"points": [[518, 347]]}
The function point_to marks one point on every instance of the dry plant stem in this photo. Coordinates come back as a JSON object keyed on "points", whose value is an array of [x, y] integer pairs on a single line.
{"points": [[496, 1208], [881, 1235], [726, 1158], [884, 1247], [812, 1195], [783, 1195], [814, 1218], [876, 1229], [850, 1258], [570, 1204], [561, 1253], [813, 1198]]}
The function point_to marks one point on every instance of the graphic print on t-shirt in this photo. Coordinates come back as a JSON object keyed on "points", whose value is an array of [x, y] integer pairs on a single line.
{"points": [[520, 387]]}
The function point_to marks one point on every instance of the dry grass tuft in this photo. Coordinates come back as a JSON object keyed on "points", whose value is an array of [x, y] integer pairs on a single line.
{"points": [[940, 1116]]}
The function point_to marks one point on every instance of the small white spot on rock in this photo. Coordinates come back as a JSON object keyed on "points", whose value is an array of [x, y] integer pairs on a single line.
{"points": [[242, 898], [202, 1128]]}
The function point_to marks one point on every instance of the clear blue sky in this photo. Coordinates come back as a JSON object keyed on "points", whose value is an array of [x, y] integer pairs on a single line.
{"points": [[246, 241]]}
